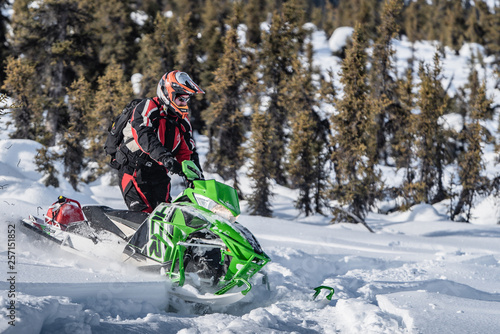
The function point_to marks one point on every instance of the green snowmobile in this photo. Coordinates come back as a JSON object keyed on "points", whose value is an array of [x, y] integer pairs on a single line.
{"points": [[194, 240]]}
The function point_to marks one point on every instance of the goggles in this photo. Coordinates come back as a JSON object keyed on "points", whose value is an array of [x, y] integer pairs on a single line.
{"points": [[183, 99]]}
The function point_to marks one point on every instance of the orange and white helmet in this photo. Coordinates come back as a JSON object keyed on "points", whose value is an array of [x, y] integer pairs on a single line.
{"points": [[176, 83]]}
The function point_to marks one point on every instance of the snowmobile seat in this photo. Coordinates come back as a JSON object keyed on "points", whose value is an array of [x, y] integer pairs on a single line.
{"points": [[101, 218]]}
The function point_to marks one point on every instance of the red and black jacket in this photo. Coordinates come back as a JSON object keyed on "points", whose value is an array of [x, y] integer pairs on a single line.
{"points": [[157, 132]]}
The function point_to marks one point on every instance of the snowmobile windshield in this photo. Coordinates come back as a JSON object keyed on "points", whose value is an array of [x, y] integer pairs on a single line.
{"points": [[215, 207], [194, 221]]}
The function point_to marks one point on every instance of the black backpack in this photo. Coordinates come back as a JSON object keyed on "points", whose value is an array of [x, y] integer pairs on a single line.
{"points": [[115, 131]]}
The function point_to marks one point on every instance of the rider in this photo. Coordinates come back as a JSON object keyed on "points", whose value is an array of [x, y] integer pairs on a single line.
{"points": [[157, 139]]}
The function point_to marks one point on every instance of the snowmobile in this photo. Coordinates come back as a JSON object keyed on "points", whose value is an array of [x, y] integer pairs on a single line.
{"points": [[194, 240]]}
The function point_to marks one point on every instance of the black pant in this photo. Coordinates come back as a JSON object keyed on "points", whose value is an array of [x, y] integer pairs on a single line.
{"points": [[143, 189]]}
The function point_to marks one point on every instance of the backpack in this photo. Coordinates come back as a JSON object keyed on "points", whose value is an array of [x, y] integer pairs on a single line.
{"points": [[115, 131]]}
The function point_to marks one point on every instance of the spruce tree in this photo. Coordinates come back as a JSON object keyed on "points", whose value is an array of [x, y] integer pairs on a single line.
{"points": [[470, 163], [114, 33], [279, 45], [415, 18], [113, 93], [383, 86], [214, 31], [188, 58], [431, 137], [19, 83], [454, 25], [44, 161], [157, 54], [53, 34], [259, 202], [357, 183], [404, 139], [254, 10], [80, 98], [305, 164], [224, 118], [4, 51], [301, 156]]}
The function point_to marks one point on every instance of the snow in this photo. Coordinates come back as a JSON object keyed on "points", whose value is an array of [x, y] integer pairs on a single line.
{"points": [[418, 273], [339, 38]]}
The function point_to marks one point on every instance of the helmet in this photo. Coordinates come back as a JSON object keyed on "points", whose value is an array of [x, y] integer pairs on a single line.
{"points": [[176, 83]]}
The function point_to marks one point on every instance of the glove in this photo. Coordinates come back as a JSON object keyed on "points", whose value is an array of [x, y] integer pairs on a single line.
{"points": [[171, 164]]}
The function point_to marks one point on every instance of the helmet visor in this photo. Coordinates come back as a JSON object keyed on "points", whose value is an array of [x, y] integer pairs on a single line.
{"points": [[184, 79]]}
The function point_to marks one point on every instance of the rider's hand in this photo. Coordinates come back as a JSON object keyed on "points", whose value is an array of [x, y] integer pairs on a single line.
{"points": [[171, 164]]}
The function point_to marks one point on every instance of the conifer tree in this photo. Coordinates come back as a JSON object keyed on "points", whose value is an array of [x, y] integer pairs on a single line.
{"points": [[157, 54], [434, 26], [259, 202], [44, 161], [359, 11], [19, 83], [282, 42], [4, 50], [454, 25], [224, 117], [415, 18], [383, 86], [357, 183], [113, 93], [80, 104], [214, 31], [431, 137], [306, 161], [470, 161], [478, 22], [188, 58], [255, 10], [53, 34], [404, 139], [114, 33]]}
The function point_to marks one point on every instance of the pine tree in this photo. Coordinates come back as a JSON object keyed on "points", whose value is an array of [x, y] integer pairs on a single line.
{"points": [[477, 23], [214, 31], [254, 10], [415, 18], [157, 54], [53, 34], [470, 161], [431, 143], [349, 13], [454, 25], [279, 45], [383, 86], [188, 58], [305, 165], [113, 93], [19, 83], [44, 161], [404, 139], [357, 182], [114, 32], [260, 157], [4, 51], [80, 104], [224, 117]]}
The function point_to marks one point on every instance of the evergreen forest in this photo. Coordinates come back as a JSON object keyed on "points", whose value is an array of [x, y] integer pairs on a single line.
{"points": [[70, 66]]}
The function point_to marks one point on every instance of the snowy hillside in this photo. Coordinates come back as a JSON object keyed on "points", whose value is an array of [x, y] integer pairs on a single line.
{"points": [[418, 273]]}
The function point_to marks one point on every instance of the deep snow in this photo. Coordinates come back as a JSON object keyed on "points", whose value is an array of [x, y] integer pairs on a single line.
{"points": [[419, 273]]}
